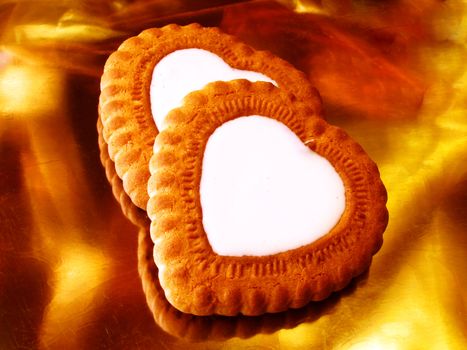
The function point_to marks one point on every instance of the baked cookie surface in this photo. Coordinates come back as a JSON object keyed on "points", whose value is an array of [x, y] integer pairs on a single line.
{"points": [[137, 216], [129, 101], [197, 328], [201, 280]]}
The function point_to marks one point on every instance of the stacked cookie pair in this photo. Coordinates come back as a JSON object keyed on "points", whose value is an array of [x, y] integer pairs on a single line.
{"points": [[255, 203]]}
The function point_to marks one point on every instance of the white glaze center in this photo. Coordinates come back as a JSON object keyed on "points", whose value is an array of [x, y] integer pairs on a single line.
{"points": [[187, 70], [263, 191]]}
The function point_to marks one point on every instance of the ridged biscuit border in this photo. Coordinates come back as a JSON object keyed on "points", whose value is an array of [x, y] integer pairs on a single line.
{"points": [[124, 103], [198, 281], [137, 216], [199, 328]]}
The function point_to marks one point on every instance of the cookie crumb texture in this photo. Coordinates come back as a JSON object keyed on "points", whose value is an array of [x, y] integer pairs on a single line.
{"points": [[198, 281]]}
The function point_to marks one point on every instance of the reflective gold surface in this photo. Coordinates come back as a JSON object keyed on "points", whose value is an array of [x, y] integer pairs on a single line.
{"points": [[392, 73]]}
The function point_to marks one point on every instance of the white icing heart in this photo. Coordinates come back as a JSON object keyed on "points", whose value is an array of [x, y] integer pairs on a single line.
{"points": [[263, 191], [187, 70]]}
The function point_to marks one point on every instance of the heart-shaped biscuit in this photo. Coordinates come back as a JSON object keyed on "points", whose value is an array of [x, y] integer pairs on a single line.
{"points": [[150, 74], [309, 254], [184, 325]]}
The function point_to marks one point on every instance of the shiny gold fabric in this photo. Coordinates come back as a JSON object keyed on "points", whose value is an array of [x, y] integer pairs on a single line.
{"points": [[392, 73]]}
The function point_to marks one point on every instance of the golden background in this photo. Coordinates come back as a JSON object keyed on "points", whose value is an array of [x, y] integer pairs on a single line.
{"points": [[391, 73]]}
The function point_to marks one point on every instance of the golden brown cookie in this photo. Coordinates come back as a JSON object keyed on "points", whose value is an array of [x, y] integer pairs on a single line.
{"points": [[200, 281], [125, 102], [173, 321]]}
